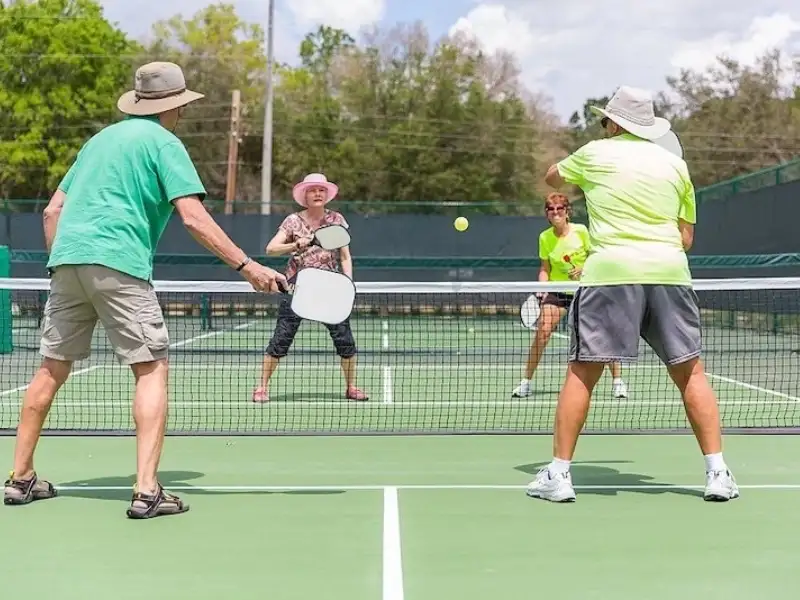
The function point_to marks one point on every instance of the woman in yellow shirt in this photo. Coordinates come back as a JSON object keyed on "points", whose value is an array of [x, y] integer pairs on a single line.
{"points": [[563, 249]]}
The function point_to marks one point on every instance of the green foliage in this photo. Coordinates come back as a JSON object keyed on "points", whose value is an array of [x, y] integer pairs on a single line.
{"points": [[401, 122], [62, 67]]}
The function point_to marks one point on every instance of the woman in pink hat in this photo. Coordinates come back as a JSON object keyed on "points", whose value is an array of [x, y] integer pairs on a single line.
{"points": [[294, 238]]}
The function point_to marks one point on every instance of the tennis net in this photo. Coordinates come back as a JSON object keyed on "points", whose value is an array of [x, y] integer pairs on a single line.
{"points": [[433, 357]]}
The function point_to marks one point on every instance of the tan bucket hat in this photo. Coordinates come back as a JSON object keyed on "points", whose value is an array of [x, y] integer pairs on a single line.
{"points": [[158, 87], [632, 109]]}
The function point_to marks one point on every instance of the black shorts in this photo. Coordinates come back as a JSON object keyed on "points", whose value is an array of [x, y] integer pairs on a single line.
{"points": [[288, 323], [559, 299]]}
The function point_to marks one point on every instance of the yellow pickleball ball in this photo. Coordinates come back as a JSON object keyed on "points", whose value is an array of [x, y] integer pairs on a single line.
{"points": [[461, 224]]}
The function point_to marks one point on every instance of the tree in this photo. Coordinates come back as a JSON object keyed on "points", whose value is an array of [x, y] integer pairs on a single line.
{"points": [[399, 120], [62, 67], [734, 119], [219, 53]]}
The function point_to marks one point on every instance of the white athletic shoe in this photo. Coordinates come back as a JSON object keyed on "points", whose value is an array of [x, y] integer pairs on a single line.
{"points": [[619, 390], [720, 486], [555, 487], [523, 390]]}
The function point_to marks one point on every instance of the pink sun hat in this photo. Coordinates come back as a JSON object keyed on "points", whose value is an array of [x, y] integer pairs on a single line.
{"points": [[314, 180]]}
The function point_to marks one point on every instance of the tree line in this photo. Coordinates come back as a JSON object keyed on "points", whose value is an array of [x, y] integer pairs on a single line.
{"points": [[402, 122]]}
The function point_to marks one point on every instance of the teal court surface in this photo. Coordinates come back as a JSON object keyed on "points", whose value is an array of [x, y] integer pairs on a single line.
{"points": [[354, 515], [423, 517]]}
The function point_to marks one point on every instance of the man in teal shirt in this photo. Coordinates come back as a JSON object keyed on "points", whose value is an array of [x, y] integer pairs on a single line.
{"points": [[102, 227], [635, 283]]}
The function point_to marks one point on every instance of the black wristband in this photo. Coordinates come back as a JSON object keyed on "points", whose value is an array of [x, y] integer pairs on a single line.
{"points": [[244, 263]]}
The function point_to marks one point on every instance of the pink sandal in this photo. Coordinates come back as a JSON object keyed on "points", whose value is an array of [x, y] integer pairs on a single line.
{"points": [[260, 395], [353, 393]]}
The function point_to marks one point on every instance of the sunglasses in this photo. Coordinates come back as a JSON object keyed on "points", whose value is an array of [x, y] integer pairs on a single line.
{"points": [[555, 208]]}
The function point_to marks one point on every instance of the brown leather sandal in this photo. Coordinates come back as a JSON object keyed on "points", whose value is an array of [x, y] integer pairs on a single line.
{"points": [[147, 506], [25, 491]]}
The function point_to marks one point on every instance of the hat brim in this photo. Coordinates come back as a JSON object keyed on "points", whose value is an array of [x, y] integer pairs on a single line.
{"points": [[648, 132], [299, 191], [128, 104]]}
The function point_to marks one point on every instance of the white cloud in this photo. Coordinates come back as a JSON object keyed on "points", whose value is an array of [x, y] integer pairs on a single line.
{"points": [[346, 14], [587, 49], [497, 28], [764, 34]]}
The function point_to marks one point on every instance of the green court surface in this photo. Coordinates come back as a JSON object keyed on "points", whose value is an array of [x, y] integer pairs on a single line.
{"points": [[398, 518]]}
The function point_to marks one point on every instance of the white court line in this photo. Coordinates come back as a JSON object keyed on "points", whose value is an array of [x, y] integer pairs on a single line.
{"points": [[246, 404], [392, 549], [22, 388], [387, 370], [387, 385], [756, 388], [85, 370], [378, 488]]}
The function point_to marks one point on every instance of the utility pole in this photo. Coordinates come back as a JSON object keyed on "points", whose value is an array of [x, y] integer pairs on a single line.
{"points": [[266, 160], [233, 152]]}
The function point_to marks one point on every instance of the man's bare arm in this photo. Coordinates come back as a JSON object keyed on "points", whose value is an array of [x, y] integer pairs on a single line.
{"points": [[553, 178], [687, 234], [50, 217], [207, 232]]}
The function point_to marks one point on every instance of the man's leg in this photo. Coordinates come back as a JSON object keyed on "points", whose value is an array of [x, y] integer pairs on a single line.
{"points": [[69, 321], [35, 406], [673, 330], [150, 416], [573, 408], [23, 485], [134, 323], [604, 327]]}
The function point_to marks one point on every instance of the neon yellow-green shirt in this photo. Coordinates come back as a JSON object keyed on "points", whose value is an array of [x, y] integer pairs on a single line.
{"points": [[635, 193], [555, 249]]}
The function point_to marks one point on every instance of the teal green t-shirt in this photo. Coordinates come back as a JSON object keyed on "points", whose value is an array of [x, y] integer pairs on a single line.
{"points": [[119, 197], [635, 193]]}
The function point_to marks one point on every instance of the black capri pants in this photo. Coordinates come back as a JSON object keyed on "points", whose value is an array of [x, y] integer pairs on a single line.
{"points": [[288, 323]]}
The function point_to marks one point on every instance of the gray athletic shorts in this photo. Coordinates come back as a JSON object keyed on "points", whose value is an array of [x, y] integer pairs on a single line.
{"points": [[606, 323]]}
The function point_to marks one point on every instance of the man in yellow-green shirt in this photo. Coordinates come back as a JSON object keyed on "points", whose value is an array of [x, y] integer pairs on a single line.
{"points": [[635, 284]]}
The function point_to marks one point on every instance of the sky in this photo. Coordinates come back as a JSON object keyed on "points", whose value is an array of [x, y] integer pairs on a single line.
{"points": [[569, 50]]}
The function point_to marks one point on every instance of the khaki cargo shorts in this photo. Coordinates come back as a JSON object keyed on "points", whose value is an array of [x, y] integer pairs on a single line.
{"points": [[127, 307]]}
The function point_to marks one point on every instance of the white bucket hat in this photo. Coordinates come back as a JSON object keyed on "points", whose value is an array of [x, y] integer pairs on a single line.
{"points": [[314, 180], [632, 109], [158, 87]]}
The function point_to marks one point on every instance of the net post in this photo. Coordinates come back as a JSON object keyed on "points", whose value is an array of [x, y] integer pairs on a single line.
{"points": [[205, 312], [6, 341]]}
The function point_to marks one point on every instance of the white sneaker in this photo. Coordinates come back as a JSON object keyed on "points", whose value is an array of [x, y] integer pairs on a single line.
{"points": [[619, 390], [555, 487], [720, 486], [522, 390]]}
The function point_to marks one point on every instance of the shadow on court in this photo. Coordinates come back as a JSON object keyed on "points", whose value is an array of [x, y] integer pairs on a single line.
{"points": [[613, 480], [121, 488]]}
